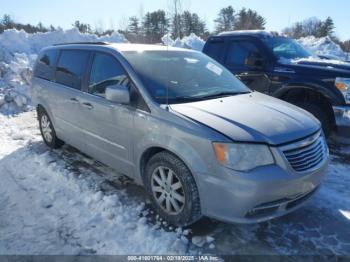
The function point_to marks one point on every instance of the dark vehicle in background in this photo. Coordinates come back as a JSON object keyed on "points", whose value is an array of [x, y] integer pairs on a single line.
{"points": [[279, 66]]}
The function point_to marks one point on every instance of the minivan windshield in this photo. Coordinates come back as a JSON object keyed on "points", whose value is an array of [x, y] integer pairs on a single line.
{"points": [[183, 76], [287, 48]]}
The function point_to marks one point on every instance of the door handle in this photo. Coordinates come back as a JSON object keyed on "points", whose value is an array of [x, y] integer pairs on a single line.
{"points": [[74, 100], [88, 105]]}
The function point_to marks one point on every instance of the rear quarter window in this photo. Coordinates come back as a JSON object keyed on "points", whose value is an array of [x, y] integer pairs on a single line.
{"points": [[71, 67], [45, 65], [215, 49], [238, 52]]}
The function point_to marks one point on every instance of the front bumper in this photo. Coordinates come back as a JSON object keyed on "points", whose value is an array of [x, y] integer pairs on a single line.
{"points": [[342, 119], [259, 195]]}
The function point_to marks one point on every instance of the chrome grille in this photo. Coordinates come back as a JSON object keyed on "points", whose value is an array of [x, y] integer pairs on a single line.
{"points": [[308, 154]]}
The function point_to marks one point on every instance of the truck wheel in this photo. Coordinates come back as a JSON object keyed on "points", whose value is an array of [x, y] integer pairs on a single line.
{"points": [[320, 114], [47, 130], [172, 189]]}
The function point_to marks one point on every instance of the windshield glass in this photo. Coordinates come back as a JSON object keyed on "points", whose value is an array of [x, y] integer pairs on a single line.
{"points": [[183, 76], [287, 48]]}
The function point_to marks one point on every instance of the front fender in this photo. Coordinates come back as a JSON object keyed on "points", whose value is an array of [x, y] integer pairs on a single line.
{"points": [[182, 149]]}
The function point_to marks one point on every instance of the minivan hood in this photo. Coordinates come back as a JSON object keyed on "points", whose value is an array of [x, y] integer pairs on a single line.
{"points": [[251, 117]]}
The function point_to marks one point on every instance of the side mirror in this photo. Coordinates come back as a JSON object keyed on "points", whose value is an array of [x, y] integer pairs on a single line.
{"points": [[255, 61], [118, 94]]}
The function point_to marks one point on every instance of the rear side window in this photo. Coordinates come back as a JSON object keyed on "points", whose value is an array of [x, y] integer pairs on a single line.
{"points": [[215, 49], [45, 65], [238, 52], [106, 71], [71, 66]]}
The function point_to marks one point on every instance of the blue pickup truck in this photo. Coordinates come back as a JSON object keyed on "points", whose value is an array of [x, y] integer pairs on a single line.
{"points": [[279, 66]]}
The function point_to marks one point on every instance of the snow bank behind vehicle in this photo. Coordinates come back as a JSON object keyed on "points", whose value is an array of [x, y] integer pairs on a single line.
{"points": [[324, 47], [18, 51], [190, 42]]}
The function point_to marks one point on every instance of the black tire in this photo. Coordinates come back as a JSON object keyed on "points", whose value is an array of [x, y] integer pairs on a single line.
{"points": [[322, 116], [55, 142], [191, 211]]}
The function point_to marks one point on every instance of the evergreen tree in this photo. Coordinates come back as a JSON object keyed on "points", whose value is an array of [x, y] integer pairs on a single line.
{"points": [[155, 26], [41, 27], [134, 27], [311, 27], [7, 22], [327, 28], [83, 28], [225, 20], [249, 20], [191, 23]]}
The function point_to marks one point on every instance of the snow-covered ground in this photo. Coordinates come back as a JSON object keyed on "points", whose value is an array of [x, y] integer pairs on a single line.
{"points": [[58, 202], [63, 202]]}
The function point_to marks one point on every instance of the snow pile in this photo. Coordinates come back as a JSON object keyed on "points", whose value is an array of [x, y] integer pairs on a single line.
{"points": [[18, 51], [190, 42], [50, 206], [324, 47], [21, 42]]}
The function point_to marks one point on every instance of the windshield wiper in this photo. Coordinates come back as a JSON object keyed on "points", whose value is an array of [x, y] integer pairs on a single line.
{"points": [[222, 94], [179, 99]]}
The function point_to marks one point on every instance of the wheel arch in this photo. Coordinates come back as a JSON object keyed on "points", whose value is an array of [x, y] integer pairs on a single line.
{"points": [[43, 106], [150, 151], [328, 94], [313, 93]]}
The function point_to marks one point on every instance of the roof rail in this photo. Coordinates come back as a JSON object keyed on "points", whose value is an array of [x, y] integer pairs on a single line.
{"points": [[83, 43]]}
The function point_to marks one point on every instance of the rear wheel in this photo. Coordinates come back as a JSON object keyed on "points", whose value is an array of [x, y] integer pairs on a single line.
{"points": [[47, 130], [320, 114], [172, 189]]}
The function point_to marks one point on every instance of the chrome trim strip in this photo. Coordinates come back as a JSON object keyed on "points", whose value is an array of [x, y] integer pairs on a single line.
{"points": [[302, 143]]}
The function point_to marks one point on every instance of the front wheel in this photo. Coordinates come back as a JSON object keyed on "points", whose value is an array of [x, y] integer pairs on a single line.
{"points": [[47, 130], [172, 189]]}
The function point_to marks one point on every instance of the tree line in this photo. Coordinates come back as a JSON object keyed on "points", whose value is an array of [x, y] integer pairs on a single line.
{"points": [[152, 26], [317, 28]]}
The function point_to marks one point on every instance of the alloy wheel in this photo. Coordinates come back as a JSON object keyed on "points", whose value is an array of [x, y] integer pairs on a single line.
{"points": [[46, 128], [168, 190]]}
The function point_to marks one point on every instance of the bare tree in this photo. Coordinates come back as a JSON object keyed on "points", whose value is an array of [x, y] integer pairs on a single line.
{"points": [[175, 8]]}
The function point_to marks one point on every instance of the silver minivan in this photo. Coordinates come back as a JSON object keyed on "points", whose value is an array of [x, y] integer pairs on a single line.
{"points": [[181, 125]]}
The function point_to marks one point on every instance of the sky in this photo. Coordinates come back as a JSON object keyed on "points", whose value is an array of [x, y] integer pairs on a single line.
{"points": [[114, 13]]}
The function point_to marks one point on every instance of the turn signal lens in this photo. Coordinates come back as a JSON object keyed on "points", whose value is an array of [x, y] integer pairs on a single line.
{"points": [[341, 86], [220, 152]]}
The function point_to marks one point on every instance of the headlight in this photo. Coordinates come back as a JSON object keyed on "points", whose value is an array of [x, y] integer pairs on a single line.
{"points": [[241, 156], [343, 85]]}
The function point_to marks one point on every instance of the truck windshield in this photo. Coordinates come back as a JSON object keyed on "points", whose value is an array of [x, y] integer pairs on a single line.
{"points": [[287, 48], [183, 76]]}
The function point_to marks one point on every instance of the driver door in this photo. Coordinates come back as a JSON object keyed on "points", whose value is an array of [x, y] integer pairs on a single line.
{"points": [[108, 125], [238, 54]]}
